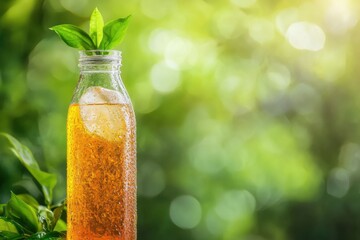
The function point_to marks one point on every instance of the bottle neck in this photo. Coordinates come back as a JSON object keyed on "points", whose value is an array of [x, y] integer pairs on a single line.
{"points": [[100, 72], [100, 61]]}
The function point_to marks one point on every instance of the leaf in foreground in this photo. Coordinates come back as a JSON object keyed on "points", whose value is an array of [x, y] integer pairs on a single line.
{"points": [[46, 180], [57, 222], [46, 218], [60, 226], [7, 225], [23, 213], [29, 200]]}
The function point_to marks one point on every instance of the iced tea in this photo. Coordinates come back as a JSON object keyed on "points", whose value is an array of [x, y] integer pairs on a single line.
{"points": [[101, 169]]}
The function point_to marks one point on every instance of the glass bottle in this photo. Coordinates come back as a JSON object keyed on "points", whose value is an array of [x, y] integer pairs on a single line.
{"points": [[101, 152]]}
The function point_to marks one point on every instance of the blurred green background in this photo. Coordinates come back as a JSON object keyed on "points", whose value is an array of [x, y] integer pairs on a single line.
{"points": [[247, 111]]}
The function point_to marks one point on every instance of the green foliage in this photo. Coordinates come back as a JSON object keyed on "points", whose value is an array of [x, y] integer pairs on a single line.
{"points": [[103, 38], [30, 200], [46, 180], [22, 217], [74, 36], [24, 214], [96, 27], [7, 225], [114, 33]]}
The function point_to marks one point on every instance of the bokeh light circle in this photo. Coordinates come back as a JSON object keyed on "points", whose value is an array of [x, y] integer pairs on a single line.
{"points": [[163, 78], [306, 36], [185, 212]]}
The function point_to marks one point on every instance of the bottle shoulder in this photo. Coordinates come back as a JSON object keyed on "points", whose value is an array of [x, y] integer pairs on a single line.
{"points": [[100, 88]]}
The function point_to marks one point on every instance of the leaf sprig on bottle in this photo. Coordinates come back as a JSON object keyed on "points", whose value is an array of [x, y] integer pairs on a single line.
{"points": [[101, 36]]}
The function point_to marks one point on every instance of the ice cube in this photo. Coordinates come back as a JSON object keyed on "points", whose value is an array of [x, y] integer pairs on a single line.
{"points": [[102, 112], [99, 95]]}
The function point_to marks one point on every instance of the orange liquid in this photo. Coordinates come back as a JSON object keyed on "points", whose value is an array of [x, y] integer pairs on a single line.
{"points": [[101, 173]]}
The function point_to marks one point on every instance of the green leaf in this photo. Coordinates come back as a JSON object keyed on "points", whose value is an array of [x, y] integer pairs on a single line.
{"points": [[96, 27], [46, 180], [29, 200], [46, 218], [7, 225], [23, 213], [74, 36], [60, 226], [57, 222], [19, 229], [114, 33]]}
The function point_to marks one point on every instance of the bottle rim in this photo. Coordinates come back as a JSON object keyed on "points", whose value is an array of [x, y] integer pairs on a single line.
{"points": [[95, 55]]}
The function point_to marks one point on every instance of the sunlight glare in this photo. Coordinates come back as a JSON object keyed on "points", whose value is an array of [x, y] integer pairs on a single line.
{"points": [[306, 36]]}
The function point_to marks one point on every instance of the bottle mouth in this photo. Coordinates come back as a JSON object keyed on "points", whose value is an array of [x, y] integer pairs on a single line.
{"points": [[99, 55]]}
